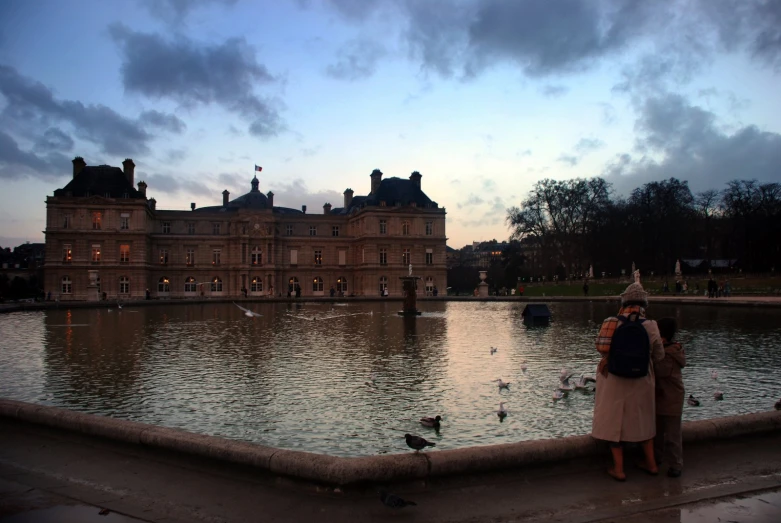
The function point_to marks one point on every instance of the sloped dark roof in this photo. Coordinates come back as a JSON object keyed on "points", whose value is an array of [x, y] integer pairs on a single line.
{"points": [[398, 190], [100, 180]]}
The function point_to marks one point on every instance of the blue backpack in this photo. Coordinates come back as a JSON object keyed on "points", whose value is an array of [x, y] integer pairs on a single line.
{"points": [[630, 348]]}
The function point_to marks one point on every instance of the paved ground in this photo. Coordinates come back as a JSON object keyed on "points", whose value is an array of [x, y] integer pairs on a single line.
{"points": [[53, 476]]}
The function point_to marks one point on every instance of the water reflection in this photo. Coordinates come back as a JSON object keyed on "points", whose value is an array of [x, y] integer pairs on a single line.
{"points": [[351, 380]]}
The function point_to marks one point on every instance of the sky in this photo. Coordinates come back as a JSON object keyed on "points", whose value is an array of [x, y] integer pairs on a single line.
{"points": [[483, 97]]}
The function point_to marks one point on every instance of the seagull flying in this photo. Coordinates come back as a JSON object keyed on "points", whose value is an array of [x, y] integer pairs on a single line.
{"points": [[393, 501], [694, 402], [502, 384], [248, 313], [583, 382], [418, 443]]}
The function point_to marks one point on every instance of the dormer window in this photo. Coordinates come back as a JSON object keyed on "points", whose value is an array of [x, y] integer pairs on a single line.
{"points": [[382, 203]]}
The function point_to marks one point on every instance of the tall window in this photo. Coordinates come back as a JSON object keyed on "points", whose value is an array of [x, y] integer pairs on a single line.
{"points": [[293, 256], [66, 285], [257, 256], [383, 227], [429, 257], [341, 285], [335, 230], [406, 257], [67, 253], [166, 227], [97, 220], [66, 221], [216, 229], [163, 285], [288, 230], [383, 284], [124, 254], [96, 253], [189, 257], [383, 256], [216, 284], [163, 256], [124, 221], [429, 286], [317, 284], [405, 228], [216, 254], [429, 228], [256, 285], [313, 230], [190, 227], [190, 285], [124, 285], [318, 257]]}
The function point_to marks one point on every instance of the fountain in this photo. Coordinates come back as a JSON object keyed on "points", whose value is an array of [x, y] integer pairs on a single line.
{"points": [[410, 294]]}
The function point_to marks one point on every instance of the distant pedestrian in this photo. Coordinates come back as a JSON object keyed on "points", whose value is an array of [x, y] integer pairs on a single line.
{"points": [[332, 292], [670, 394], [436, 292], [727, 289], [585, 288]]}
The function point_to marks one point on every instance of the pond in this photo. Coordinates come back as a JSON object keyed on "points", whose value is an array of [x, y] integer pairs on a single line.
{"points": [[352, 379]]}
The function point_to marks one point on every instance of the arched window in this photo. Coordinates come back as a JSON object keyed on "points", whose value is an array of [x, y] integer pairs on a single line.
{"points": [[164, 285], [341, 285], [405, 228], [257, 284], [124, 285], [257, 256], [429, 286], [216, 284], [317, 284], [383, 284], [190, 285], [67, 285]]}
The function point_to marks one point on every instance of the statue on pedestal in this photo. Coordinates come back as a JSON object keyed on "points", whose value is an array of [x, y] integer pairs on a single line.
{"points": [[410, 269]]}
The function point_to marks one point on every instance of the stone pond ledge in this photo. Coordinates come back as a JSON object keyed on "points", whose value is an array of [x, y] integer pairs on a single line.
{"points": [[332, 470]]}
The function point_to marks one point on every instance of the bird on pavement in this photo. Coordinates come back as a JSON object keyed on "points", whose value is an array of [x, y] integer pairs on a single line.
{"points": [[394, 501], [494, 349], [583, 382], [417, 443]]}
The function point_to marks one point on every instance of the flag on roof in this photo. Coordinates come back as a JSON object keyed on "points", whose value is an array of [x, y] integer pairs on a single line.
{"points": [[258, 169]]}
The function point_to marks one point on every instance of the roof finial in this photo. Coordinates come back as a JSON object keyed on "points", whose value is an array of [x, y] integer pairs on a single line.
{"points": [[255, 183]]}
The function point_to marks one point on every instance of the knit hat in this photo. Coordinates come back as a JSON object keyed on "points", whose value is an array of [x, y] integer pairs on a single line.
{"points": [[635, 295]]}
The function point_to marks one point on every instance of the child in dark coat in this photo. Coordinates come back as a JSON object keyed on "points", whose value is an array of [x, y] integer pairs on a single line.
{"points": [[670, 395]]}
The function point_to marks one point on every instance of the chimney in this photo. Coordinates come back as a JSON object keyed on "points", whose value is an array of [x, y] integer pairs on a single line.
{"points": [[142, 188], [348, 198], [152, 203], [130, 170], [78, 165], [327, 208], [270, 197], [376, 177], [303, 209], [192, 206], [415, 177], [225, 197]]}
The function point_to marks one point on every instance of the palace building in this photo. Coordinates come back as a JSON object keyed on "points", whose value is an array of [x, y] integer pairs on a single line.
{"points": [[106, 238]]}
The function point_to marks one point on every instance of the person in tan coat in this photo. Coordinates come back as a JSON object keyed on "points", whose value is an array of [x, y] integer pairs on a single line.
{"points": [[670, 394], [624, 407]]}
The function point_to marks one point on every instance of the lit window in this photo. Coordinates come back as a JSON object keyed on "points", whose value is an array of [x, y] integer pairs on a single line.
{"points": [[190, 257], [166, 227], [341, 285], [97, 219], [67, 285], [216, 253], [256, 256], [190, 285], [335, 230], [317, 285], [383, 227], [67, 253], [429, 228], [124, 253], [313, 230], [318, 257], [96, 253], [190, 228], [124, 285], [406, 257], [405, 228], [163, 256], [163, 285], [256, 285], [383, 256], [216, 284]]}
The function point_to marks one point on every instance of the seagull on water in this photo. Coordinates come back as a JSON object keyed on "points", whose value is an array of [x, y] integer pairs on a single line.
{"points": [[714, 374], [431, 422], [694, 402], [418, 443], [502, 412], [502, 384], [523, 366], [583, 382], [565, 384], [557, 395], [718, 395], [394, 501], [248, 313]]}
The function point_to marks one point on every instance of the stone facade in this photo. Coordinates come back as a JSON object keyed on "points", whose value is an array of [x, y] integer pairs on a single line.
{"points": [[100, 222]]}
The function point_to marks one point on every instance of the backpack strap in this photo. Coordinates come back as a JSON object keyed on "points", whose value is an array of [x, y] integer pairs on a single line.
{"points": [[634, 317]]}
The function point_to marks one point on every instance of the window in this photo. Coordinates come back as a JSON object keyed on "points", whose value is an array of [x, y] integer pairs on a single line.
{"points": [[96, 253], [429, 286], [288, 230], [383, 227], [124, 254], [342, 257], [163, 285], [429, 228], [216, 229], [190, 285], [124, 285], [67, 285], [293, 257], [335, 230], [406, 257], [292, 285], [383, 284], [257, 256], [124, 221], [97, 219], [163, 256], [256, 285], [216, 254], [166, 227], [189, 257], [313, 230], [190, 228], [429, 257], [216, 284], [405, 228], [383, 256], [317, 284], [66, 221], [318, 257], [67, 253], [341, 285]]}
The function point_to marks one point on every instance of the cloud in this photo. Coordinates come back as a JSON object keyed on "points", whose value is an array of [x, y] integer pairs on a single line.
{"points": [[471, 201], [54, 139], [176, 11], [681, 140], [193, 73], [309, 151], [167, 122], [16, 164], [587, 145], [568, 159], [493, 215], [356, 60], [554, 91], [525, 152], [295, 193], [175, 155], [489, 185], [168, 184]]}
